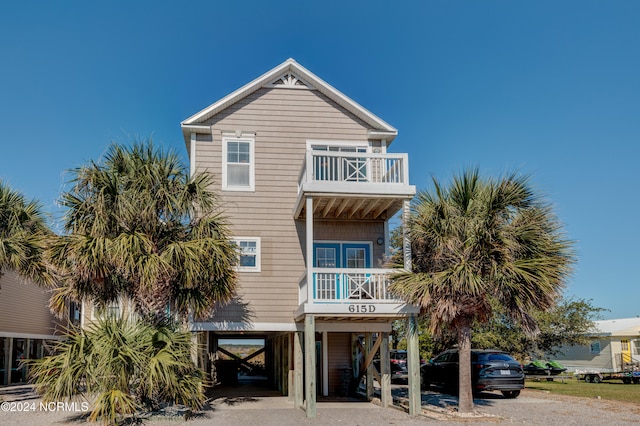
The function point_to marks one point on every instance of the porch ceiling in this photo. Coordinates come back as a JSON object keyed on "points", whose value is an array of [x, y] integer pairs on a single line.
{"points": [[338, 206]]}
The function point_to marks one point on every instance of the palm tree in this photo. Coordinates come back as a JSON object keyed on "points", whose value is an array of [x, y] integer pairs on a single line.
{"points": [[478, 242], [23, 236], [140, 228], [119, 367]]}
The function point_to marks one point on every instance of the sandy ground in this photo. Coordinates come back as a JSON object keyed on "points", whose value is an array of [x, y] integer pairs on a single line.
{"points": [[265, 409]]}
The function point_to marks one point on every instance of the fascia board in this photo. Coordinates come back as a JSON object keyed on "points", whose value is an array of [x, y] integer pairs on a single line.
{"points": [[319, 84]]}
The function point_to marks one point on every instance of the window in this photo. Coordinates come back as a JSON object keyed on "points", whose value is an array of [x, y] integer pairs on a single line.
{"points": [[249, 260], [355, 257], [74, 313], [109, 310], [625, 345], [595, 347], [337, 254], [325, 257], [238, 173]]}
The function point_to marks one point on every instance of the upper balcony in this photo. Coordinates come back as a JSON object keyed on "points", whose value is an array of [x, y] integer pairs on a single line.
{"points": [[347, 185]]}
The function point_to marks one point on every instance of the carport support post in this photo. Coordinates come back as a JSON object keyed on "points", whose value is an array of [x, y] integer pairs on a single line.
{"points": [[413, 365], [385, 373], [310, 364], [298, 367], [368, 344]]}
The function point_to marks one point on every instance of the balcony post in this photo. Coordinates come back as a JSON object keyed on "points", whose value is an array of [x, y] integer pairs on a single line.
{"points": [[310, 364], [386, 240], [413, 367], [309, 249], [405, 168], [298, 368], [385, 372], [309, 167]]}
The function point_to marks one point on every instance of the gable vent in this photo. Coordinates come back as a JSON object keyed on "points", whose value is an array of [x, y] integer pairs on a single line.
{"points": [[290, 80]]}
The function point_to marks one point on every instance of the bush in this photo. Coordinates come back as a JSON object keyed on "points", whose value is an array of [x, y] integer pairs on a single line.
{"points": [[121, 367]]}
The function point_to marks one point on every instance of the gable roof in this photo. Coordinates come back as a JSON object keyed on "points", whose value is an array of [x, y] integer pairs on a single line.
{"points": [[293, 75]]}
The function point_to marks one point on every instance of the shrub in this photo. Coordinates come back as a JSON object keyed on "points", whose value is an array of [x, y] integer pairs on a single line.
{"points": [[121, 367]]}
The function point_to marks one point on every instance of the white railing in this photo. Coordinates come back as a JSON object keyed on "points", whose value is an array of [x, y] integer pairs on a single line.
{"points": [[332, 285], [326, 166]]}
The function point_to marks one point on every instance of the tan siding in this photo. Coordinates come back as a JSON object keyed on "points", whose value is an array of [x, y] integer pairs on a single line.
{"points": [[282, 120], [339, 362], [353, 230], [24, 306]]}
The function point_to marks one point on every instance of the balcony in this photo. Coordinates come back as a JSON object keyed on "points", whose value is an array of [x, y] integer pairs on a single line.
{"points": [[349, 292], [347, 185]]}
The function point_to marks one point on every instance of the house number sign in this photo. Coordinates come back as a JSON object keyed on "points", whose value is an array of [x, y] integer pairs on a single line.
{"points": [[362, 309]]}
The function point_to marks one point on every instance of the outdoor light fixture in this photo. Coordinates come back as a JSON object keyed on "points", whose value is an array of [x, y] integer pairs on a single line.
{"points": [[380, 241]]}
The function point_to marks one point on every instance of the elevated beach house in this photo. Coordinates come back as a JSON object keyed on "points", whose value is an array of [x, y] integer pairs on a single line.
{"points": [[309, 186], [26, 324]]}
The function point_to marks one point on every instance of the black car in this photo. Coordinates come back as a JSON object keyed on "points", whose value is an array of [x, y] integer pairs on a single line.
{"points": [[397, 364], [490, 370]]}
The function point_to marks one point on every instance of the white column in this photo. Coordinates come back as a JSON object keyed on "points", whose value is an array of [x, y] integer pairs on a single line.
{"points": [[387, 252], [309, 223]]}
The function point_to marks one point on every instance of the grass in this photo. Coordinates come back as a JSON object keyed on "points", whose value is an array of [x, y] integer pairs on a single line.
{"points": [[613, 390]]}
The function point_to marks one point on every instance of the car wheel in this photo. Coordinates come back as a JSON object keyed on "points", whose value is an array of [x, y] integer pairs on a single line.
{"points": [[511, 394]]}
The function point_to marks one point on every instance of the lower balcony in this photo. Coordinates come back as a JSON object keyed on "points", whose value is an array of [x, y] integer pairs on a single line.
{"points": [[349, 292]]}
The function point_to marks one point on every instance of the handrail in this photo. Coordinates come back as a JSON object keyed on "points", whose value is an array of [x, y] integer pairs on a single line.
{"points": [[349, 285], [358, 167]]}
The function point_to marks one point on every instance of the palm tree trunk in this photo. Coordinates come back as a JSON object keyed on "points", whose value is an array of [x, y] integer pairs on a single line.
{"points": [[153, 302], [465, 402]]}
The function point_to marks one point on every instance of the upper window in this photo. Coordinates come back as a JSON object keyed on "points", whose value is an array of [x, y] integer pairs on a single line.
{"points": [[595, 347], [249, 254], [238, 164]]}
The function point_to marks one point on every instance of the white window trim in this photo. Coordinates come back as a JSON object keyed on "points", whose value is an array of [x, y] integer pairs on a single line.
{"points": [[341, 242], [94, 314], [258, 266], [252, 164], [328, 142]]}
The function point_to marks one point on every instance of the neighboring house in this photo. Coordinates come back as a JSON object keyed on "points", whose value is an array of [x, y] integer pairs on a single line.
{"points": [[25, 325], [614, 345], [309, 188]]}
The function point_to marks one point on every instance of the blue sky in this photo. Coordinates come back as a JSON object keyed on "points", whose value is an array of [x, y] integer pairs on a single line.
{"points": [[550, 88]]}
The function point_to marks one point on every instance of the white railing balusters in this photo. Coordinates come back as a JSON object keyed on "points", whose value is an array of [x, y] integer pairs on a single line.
{"points": [[350, 285], [356, 167]]}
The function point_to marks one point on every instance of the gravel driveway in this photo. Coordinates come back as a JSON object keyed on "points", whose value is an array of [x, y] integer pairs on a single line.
{"points": [[531, 408]]}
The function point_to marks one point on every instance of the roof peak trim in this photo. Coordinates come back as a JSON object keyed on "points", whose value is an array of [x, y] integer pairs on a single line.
{"points": [[291, 67]]}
